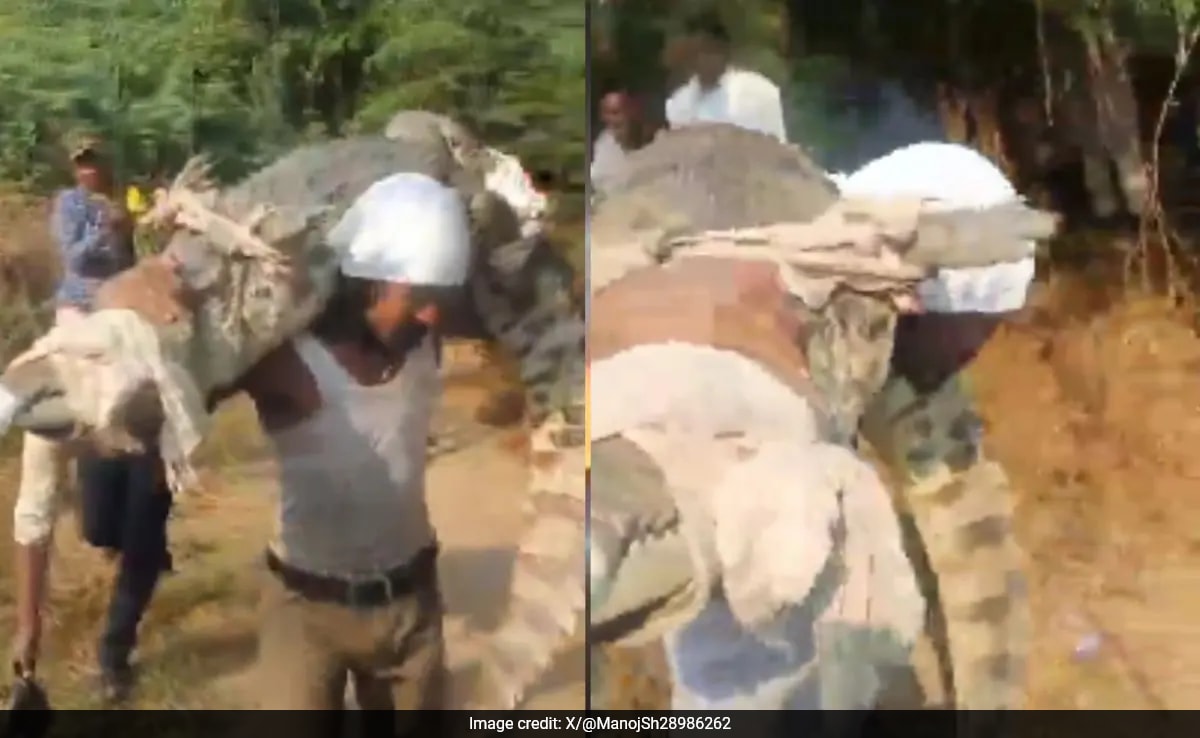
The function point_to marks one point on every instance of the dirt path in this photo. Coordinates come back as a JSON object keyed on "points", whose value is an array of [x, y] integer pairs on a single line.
{"points": [[200, 629], [1098, 421]]}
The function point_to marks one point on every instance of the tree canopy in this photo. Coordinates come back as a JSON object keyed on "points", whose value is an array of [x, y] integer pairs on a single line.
{"points": [[246, 79]]}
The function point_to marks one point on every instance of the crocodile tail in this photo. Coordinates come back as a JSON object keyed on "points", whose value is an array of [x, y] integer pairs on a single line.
{"points": [[962, 507], [547, 595], [965, 525], [523, 296]]}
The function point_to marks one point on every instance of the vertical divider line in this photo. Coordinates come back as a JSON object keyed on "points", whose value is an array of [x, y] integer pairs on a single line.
{"points": [[587, 374]]}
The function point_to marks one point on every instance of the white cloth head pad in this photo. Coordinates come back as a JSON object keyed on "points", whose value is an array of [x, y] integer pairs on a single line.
{"points": [[958, 177], [406, 228]]}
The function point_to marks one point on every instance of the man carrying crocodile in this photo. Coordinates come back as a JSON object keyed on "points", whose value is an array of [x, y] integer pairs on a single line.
{"points": [[908, 403], [352, 591], [353, 588], [924, 426], [346, 404]]}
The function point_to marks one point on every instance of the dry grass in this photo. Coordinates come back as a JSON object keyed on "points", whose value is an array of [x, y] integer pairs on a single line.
{"points": [[215, 532], [1095, 417]]}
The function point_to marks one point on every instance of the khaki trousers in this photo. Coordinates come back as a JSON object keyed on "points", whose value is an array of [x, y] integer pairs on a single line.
{"points": [[394, 654], [44, 474]]}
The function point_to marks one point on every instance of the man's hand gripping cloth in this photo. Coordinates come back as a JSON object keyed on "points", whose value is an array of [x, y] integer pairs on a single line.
{"points": [[770, 515]]}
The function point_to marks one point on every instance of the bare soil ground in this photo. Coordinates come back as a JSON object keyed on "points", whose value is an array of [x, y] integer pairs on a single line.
{"points": [[1093, 405], [1097, 417], [198, 641]]}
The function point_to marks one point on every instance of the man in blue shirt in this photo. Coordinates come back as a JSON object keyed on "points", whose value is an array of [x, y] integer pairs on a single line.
{"points": [[124, 500], [93, 230]]}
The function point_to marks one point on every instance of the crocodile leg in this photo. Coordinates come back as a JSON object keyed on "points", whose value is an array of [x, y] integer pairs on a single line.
{"points": [[643, 580]]}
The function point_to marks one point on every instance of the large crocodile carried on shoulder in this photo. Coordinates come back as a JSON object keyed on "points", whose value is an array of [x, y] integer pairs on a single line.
{"points": [[742, 316], [256, 265]]}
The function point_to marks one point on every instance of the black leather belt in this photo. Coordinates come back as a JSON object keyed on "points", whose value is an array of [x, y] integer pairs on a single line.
{"points": [[366, 592]]}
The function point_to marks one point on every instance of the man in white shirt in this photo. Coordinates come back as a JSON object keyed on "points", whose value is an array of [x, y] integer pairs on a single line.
{"points": [[720, 93], [618, 139]]}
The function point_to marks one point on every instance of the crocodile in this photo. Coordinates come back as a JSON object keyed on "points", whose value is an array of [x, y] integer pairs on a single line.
{"points": [[720, 177], [252, 266]]}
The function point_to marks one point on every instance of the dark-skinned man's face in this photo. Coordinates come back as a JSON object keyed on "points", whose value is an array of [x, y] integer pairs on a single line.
{"points": [[615, 113], [401, 315], [90, 172], [710, 59]]}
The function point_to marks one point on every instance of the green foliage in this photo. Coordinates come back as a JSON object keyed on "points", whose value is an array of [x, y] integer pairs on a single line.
{"points": [[809, 106], [246, 79], [514, 75]]}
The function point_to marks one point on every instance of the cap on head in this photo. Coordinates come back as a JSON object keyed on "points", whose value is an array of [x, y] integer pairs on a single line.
{"points": [[83, 145], [407, 228]]}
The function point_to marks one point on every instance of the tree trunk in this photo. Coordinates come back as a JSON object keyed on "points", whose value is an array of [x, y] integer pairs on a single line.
{"points": [[989, 133], [974, 120], [952, 109], [1115, 110]]}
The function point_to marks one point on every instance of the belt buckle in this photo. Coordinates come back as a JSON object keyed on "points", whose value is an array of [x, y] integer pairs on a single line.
{"points": [[358, 586]]}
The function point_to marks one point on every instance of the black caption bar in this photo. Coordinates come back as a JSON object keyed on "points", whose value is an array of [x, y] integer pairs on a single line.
{"points": [[476, 724]]}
